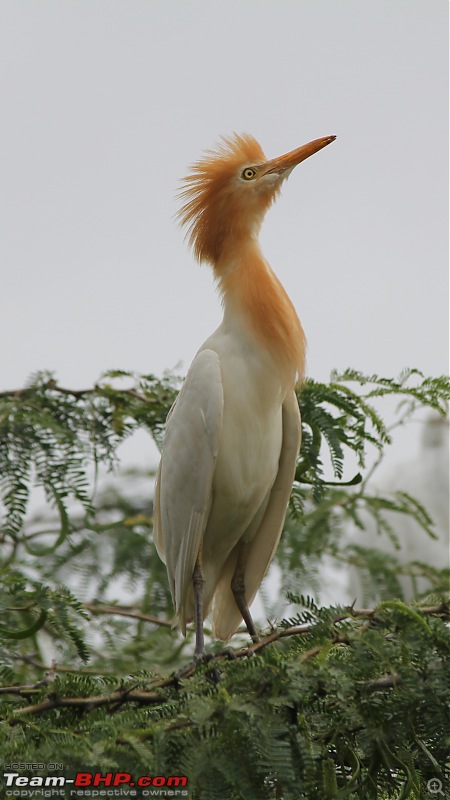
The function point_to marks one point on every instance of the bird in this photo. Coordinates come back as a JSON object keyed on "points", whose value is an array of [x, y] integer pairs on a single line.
{"points": [[232, 437]]}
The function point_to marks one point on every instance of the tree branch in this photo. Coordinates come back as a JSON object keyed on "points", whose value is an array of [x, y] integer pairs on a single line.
{"points": [[89, 703], [123, 611], [135, 695], [25, 688], [77, 393]]}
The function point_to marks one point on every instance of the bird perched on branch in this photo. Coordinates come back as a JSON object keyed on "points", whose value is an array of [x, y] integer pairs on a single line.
{"points": [[233, 435]]}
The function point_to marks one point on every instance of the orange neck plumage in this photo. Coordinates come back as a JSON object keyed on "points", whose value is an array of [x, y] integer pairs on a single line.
{"points": [[223, 217], [250, 287]]}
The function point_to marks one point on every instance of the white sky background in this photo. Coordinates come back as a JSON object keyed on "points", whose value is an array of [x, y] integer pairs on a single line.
{"points": [[105, 103]]}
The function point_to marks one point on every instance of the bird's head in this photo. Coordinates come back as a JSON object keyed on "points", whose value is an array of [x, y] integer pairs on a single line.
{"points": [[228, 192]]}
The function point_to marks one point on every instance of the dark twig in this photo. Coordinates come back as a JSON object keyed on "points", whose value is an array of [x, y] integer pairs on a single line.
{"points": [[89, 703], [122, 611]]}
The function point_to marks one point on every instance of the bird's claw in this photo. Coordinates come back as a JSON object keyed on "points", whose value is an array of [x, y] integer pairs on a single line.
{"points": [[202, 658], [185, 672], [191, 666], [228, 653]]}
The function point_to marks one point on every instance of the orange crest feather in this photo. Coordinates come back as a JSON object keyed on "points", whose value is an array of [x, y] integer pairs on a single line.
{"points": [[207, 211]]}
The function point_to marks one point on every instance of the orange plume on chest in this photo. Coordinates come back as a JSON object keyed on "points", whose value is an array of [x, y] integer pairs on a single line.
{"points": [[252, 289]]}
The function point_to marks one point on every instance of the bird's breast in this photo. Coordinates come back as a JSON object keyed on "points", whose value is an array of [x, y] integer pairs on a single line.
{"points": [[250, 443]]}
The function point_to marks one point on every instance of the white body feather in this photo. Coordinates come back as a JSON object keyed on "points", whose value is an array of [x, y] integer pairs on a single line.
{"points": [[226, 473]]}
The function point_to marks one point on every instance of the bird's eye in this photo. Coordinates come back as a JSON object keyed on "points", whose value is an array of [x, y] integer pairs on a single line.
{"points": [[249, 173]]}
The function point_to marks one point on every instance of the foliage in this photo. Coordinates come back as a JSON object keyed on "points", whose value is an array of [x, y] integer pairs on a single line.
{"points": [[332, 702]]}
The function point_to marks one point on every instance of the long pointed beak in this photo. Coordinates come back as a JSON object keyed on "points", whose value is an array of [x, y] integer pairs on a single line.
{"points": [[290, 160]]}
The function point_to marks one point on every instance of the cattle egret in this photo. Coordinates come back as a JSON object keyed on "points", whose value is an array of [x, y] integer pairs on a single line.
{"points": [[233, 435]]}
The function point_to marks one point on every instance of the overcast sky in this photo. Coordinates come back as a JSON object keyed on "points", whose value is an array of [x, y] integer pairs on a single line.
{"points": [[105, 103]]}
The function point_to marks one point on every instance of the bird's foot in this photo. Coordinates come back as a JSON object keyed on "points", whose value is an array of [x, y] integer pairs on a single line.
{"points": [[228, 653], [202, 657], [212, 674], [191, 666], [185, 672]]}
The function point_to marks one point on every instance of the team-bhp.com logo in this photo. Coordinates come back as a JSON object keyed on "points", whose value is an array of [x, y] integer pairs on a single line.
{"points": [[110, 784]]}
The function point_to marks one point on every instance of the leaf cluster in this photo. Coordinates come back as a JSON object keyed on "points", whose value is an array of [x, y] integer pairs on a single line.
{"points": [[332, 703], [347, 704]]}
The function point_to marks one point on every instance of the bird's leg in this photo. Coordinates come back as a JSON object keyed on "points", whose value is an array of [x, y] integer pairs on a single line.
{"points": [[238, 589], [198, 583]]}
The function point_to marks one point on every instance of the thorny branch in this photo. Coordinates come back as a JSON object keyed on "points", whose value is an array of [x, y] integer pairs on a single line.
{"points": [[89, 703], [135, 695], [48, 678], [122, 611], [77, 393]]}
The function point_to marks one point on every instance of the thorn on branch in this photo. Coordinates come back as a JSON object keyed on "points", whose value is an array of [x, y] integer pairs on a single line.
{"points": [[30, 688]]}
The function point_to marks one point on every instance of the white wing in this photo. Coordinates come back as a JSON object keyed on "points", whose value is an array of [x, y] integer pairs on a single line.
{"points": [[261, 549], [184, 479]]}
